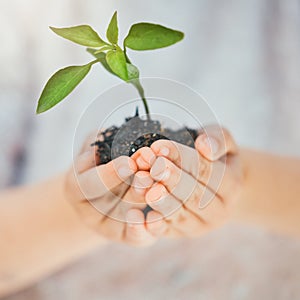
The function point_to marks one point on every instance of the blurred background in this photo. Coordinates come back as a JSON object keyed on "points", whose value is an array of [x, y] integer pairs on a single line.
{"points": [[242, 56]]}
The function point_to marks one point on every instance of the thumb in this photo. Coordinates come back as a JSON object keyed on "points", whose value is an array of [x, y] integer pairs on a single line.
{"points": [[215, 142]]}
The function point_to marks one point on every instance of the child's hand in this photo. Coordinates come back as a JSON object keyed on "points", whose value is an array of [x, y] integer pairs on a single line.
{"points": [[194, 189], [110, 197]]}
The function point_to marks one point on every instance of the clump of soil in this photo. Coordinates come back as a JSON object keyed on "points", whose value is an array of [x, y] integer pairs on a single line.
{"points": [[136, 133]]}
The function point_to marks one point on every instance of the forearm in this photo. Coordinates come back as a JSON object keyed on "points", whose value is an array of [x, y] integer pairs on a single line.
{"points": [[39, 232], [271, 194]]}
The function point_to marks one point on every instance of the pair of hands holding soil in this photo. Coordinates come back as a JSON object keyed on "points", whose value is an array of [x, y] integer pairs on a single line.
{"points": [[190, 191]]}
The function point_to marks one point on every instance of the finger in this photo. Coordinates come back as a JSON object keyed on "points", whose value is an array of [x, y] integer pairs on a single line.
{"points": [[88, 157], [215, 142], [136, 233], [186, 158], [210, 174], [160, 200], [98, 214], [182, 219], [110, 204], [113, 219], [96, 182], [156, 224], [144, 157], [116, 202], [86, 161], [90, 139], [159, 226], [182, 185], [134, 196], [142, 181], [110, 228]]}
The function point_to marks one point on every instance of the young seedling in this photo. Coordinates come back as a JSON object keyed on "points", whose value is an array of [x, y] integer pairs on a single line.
{"points": [[114, 58]]}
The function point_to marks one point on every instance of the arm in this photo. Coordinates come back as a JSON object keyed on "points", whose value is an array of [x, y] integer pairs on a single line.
{"points": [[40, 232], [271, 194], [43, 227]]}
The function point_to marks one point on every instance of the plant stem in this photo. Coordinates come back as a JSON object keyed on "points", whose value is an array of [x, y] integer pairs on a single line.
{"points": [[126, 56], [94, 61], [139, 88], [141, 92]]}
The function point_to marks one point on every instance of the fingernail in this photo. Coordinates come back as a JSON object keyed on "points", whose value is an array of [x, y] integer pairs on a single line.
{"points": [[212, 144], [124, 171], [142, 183], [157, 193], [164, 151], [165, 175]]}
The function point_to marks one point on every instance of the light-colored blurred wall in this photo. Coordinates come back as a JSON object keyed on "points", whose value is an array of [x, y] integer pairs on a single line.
{"points": [[242, 56]]}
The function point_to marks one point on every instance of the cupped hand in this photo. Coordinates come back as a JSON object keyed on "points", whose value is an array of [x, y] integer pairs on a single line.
{"points": [[194, 189], [110, 197]]}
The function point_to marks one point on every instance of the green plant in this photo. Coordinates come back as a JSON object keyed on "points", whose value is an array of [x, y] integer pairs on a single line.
{"points": [[141, 36]]}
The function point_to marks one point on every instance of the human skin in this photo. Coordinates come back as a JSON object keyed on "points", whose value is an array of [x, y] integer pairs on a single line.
{"points": [[185, 177], [41, 231], [110, 198]]}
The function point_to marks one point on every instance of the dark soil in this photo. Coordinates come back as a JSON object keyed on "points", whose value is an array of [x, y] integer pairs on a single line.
{"points": [[136, 133]]}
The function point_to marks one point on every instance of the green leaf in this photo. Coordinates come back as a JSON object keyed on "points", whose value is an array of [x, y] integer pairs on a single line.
{"points": [[60, 85], [133, 71], [112, 30], [102, 59], [104, 48], [147, 36], [82, 35], [117, 62]]}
